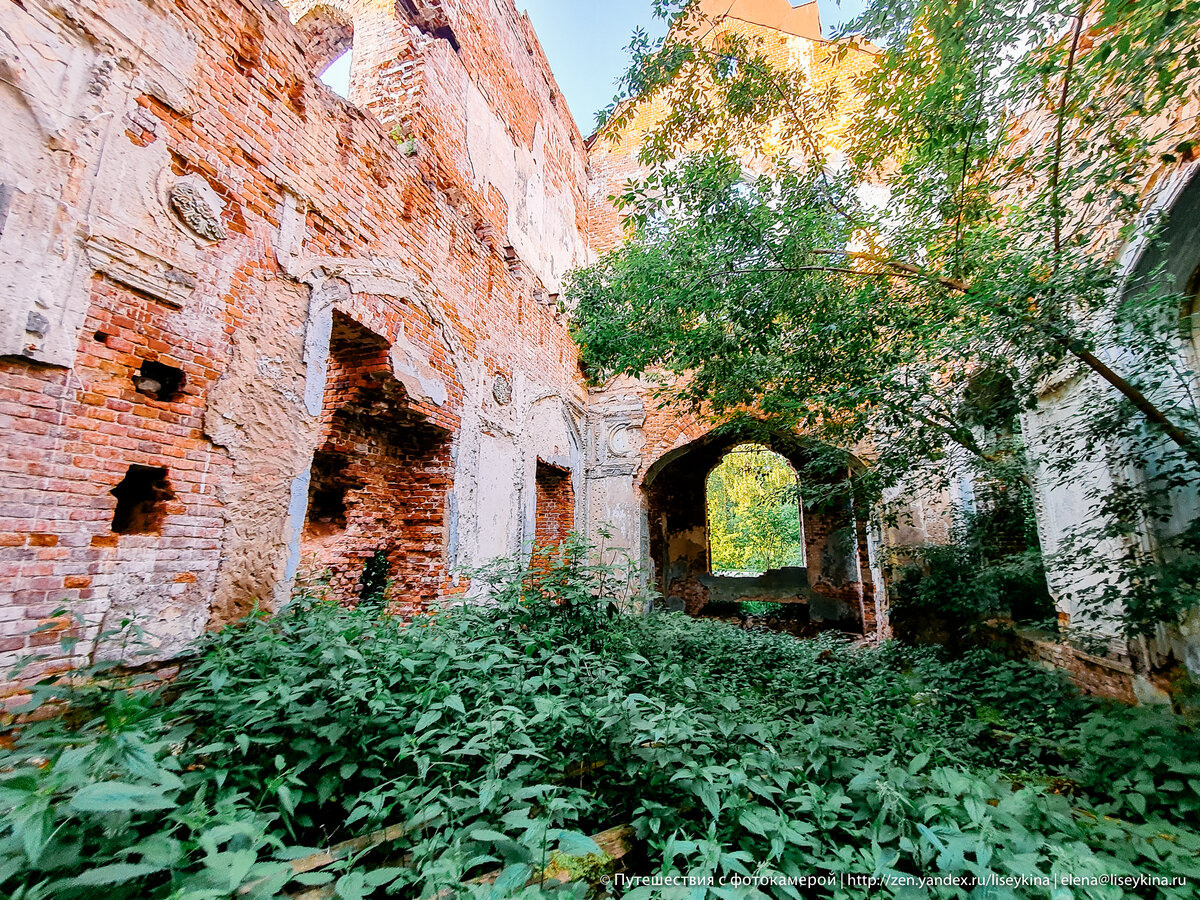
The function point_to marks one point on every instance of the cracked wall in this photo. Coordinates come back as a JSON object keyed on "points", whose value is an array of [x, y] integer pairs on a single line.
{"points": [[178, 189]]}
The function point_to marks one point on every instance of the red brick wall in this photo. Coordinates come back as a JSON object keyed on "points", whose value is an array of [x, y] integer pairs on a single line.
{"points": [[1102, 676], [392, 464], [554, 518], [260, 130], [70, 439]]}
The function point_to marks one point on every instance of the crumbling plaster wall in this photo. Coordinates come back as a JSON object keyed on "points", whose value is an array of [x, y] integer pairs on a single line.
{"points": [[1067, 501], [177, 187], [470, 77]]}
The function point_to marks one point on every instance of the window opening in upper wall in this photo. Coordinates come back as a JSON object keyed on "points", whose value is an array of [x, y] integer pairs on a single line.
{"points": [[337, 76], [329, 47]]}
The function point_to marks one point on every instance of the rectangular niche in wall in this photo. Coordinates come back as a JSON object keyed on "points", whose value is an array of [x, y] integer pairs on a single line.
{"points": [[141, 496], [554, 517], [5, 202]]}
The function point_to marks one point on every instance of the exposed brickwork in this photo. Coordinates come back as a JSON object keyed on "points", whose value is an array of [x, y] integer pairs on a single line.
{"points": [[450, 261], [73, 437], [390, 465], [1109, 676], [554, 510]]}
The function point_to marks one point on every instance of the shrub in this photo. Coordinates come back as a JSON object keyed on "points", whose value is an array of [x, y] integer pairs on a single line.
{"points": [[497, 735]]}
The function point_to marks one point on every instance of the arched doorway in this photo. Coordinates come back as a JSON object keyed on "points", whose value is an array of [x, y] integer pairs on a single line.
{"points": [[755, 520], [833, 579]]}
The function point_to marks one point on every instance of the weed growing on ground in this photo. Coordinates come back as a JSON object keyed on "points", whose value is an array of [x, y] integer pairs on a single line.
{"points": [[500, 735]]}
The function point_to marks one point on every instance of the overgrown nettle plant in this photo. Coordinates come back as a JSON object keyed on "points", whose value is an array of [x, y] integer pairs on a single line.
{"points": [[1014, 146]]}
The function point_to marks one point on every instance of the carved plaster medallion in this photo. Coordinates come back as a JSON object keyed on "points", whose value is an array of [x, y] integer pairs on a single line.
{"points": [[502, 390], [197, 207], [624, 440]]}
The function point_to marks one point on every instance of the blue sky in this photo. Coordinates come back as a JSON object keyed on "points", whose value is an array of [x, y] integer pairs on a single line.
{"points": [[585, 42]]}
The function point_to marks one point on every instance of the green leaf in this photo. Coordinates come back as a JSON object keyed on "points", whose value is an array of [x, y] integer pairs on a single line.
{"points": [[575, 843], [708, 796], [286, 799], [427, 719], [918, 762], [756, 822], [314, 879], [34, 823], [1137, 801], [512, 878], [117, 796], [379, 877], [352, 886], [231, 866], [115, 873], [487, 835]]}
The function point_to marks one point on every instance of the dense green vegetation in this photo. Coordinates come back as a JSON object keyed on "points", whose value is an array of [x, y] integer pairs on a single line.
{"points": [[991, 567], [501, 735], [861, 281], [754, 512]]}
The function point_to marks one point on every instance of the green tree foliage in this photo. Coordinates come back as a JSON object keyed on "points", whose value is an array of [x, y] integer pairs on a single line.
{"points": [[754, 512], [999, 159], [493, 737]]}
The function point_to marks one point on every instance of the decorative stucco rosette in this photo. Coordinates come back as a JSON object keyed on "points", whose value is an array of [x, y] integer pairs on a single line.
{"points": [[625, 440], [502, 390], [197, 208]]}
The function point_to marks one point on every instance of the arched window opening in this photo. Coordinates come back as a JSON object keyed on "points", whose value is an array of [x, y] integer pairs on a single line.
{"points": [[337, 76], [754, 520], [329, 47], [991, 405], [1190, 320], [378, 484]]}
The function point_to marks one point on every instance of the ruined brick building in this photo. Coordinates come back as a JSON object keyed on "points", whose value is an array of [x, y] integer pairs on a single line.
{"points": [[254, 335]]}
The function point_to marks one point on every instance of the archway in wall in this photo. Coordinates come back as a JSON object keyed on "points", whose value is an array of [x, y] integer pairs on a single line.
{"points": [[329, 46], [833, 581], [375, 528]]}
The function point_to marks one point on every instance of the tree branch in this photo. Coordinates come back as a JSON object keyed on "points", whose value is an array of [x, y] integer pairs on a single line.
{"points": [[1180, 437], [1056, 209]]}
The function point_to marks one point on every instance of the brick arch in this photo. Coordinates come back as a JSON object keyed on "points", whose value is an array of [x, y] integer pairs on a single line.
{"points": [[667, 434], [393, 282], [836, 584], [327, 29]]}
